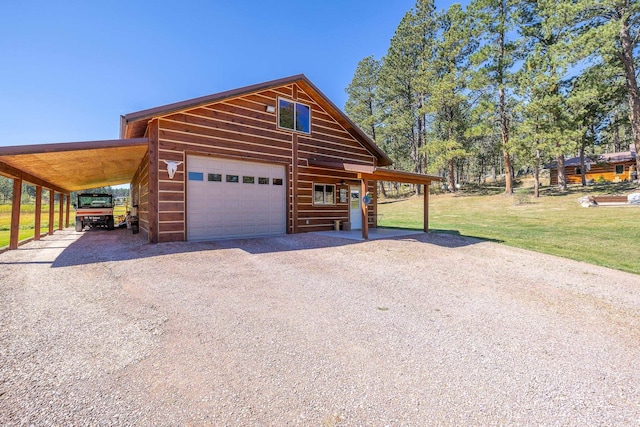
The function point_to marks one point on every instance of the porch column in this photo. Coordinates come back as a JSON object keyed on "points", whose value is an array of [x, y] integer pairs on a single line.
{"points": [[15, 214], [36, 231], [61, 213], [365, 214], [66, 221], [52, 210], [426, 208]]}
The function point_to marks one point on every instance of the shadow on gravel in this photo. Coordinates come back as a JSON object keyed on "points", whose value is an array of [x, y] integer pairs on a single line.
{"points": [[95, 246]]}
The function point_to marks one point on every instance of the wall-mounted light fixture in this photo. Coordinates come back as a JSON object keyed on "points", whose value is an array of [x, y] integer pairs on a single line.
{"points": [[271, 109], [343, 182]]}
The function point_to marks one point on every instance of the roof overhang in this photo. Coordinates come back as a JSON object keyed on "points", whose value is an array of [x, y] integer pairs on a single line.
{"points": [[134, 125], [378, 173], [74, 166]]}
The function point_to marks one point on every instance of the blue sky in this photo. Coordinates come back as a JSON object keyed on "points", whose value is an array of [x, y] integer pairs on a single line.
{"points": [[69, 69]]}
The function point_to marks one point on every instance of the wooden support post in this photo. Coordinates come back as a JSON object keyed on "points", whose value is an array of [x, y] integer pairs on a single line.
{"points": [[52, 210], [365, 213], [426, 208], [294, 181], [66, 221], [14, 237], [61, 213], [36, 226], [154, 197]]}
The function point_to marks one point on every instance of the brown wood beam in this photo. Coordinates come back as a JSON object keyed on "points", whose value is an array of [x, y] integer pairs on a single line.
{"points": [[36, 226], [154, 234], [365, 213], [61, 212], [12, 172], [294, 181], [16, 202], [52, 210], [426, 209], [60, 147], [66, 222]]}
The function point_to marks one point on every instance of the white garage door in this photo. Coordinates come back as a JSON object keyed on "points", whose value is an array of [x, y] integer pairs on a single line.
{"points": [[231, 198]]}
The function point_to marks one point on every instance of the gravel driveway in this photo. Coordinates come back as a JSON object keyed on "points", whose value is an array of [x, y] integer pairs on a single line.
{"points": [[102, 329]]}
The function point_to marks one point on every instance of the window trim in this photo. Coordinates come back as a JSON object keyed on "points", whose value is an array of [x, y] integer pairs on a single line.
{"points": [[324, 194], [295, 122]]}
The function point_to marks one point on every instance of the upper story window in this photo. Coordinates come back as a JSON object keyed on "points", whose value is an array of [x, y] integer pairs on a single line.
{"points": [[293, 115]]}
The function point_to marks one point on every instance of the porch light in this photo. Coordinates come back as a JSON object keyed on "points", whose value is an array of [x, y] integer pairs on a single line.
{"points": [[271, 109]]}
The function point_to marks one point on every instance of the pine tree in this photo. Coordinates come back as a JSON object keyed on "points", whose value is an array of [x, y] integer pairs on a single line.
{"points": [[495, 61], [402, 91], [445, 79], [610, 30], [547, 35], [361, 105]]}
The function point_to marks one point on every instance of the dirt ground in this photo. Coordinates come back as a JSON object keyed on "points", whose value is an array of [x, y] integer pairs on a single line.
{"points": [[100, 328]]}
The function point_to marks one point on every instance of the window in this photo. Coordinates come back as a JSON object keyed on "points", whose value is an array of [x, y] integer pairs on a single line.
{"points": [[293, 115], [196, 176], [232, 178], [277, 181], [263, 181], [578, 171], [619, 169], [248, 180], [324, 194], [215, 177]]}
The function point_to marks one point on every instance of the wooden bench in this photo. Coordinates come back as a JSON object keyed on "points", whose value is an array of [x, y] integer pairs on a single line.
{"points": [[608, 199]]}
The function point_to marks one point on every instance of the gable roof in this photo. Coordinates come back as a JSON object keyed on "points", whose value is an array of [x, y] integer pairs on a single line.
{"points": [[134, 125]]}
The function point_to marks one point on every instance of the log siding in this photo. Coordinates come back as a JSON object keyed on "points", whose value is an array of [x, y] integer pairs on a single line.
{"points": [[240, 128]]}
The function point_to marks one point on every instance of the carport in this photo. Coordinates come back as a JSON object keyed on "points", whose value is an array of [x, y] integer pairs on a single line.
{"points": [[65, 167]]}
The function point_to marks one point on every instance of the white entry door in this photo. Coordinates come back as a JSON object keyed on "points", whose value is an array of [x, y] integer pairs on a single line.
{"points": [[355, 209], [233, 198]]}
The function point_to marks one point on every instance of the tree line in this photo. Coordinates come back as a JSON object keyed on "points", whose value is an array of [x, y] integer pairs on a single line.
{"points": [[501, 87], [29, 192]]}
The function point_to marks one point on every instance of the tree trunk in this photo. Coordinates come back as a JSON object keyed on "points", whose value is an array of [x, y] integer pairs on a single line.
{"points": [[452, 179], [508, 168], [382, 189], [536, 175], [582, 165], [562, 178], [626, 56]]}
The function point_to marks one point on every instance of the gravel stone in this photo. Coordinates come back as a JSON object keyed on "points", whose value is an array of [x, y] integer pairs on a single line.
{"points": [[101, 328]]}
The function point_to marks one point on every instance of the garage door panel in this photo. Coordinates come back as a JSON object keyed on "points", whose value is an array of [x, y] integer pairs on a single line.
{"points": [[217, 208]]}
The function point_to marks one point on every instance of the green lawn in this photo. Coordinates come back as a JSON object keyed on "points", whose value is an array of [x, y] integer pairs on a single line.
{"points": [[27, 221], [553, 224]]}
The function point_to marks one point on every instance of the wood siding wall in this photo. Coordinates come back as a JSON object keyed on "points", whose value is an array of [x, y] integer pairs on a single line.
{"points": [[605, 170], [240, 128], [140, 194]]}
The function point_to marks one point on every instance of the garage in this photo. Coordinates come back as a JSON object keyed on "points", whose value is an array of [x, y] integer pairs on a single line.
{"points": [[232, 198]]}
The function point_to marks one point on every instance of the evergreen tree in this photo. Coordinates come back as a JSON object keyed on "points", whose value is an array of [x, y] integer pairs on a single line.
{"points": [[543, 80], [609, 30], [402, 88], [495, 60], [447, 104], [361, 105]]}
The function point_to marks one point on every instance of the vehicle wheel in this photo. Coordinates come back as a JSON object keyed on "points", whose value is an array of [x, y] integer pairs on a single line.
{"points": [[79, 226], [110, 224]]}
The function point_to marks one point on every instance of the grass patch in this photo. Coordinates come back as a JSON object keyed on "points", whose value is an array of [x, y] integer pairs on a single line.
{"points": [[28, 220], [606, 236]]}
